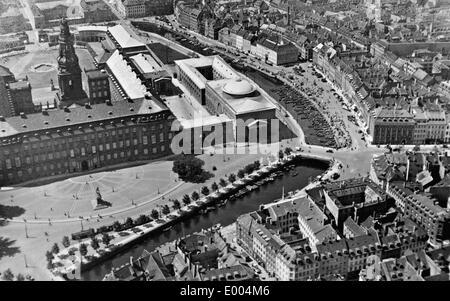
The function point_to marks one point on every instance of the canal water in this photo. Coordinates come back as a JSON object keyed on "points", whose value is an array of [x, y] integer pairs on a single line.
{"points": [[226, 215]]}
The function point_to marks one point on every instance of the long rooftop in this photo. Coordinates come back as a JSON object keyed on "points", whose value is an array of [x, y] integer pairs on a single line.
{"points": [[125, 77], [73, 116], [124, 38]]}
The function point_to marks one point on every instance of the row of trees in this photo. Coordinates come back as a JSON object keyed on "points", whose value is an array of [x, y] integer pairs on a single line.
{"points": [[195, 196], [9, 276]]}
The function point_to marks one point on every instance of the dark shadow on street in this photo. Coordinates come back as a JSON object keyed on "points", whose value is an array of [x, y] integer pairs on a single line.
{"points": [[7, 248], [10, 211]]}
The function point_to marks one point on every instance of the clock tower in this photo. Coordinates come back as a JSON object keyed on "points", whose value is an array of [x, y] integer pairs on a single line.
{"points": [[69, 71]]}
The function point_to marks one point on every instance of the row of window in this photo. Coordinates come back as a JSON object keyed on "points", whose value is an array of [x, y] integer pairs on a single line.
{"points": [[56, 142], [59, 165], [73, 152]]}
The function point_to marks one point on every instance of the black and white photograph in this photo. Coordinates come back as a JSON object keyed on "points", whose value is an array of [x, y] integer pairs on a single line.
{"points": [[246, 142]]}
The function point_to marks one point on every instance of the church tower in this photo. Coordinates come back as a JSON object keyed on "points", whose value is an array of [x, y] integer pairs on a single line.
{"points": [[69, 71]]}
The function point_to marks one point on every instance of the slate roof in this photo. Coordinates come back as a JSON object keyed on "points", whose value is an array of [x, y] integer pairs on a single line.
{"points": [[75, 116]]}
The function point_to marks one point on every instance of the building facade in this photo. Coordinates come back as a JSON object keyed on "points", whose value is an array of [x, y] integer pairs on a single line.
{"points": [[59, 142], [392, 127], [98, 86], [131, 8]]}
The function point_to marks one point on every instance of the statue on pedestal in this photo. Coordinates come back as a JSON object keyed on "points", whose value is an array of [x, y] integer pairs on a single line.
{"points": [[99, 202]]}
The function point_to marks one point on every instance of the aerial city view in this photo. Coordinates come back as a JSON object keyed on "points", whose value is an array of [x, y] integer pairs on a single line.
{"points": [[225, 140]]}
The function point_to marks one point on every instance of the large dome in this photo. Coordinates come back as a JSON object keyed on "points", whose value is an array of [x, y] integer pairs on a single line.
{"points": [[238, 87]]}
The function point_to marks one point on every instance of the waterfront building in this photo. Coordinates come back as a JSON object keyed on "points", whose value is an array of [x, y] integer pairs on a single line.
{"points": [[277, 51], [147, 267], [392, 126], [214, 84], [299, 213], [202, 256], [194, 73], [295, 259], [191, 16]]}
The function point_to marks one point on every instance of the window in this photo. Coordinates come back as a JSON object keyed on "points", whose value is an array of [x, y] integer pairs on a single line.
{"points": [[100, 147], [136, 152], [8, 163], [163, 148], [161, 137], [153, 139], [72, 153], [107, 146], [127, 143], [94, 150], [145, 151], [135, 141], [83, 151], [144, 140]]}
